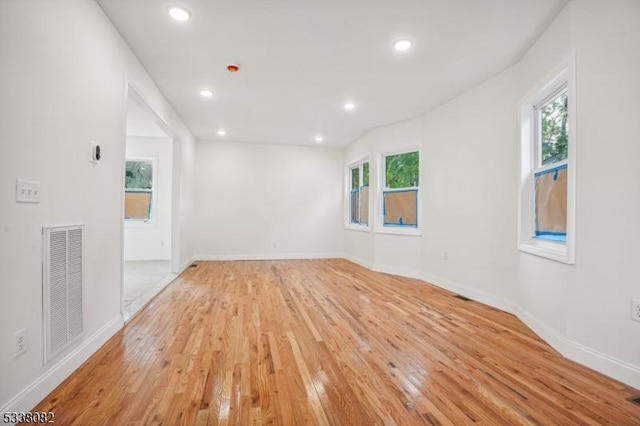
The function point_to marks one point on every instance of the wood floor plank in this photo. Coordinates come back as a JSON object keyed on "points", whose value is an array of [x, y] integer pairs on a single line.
{"points": [[328, 342]]}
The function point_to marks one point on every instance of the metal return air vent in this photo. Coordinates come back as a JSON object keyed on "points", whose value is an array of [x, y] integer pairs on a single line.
{"points": [[62, 288], [461, 297], [634, 399]]}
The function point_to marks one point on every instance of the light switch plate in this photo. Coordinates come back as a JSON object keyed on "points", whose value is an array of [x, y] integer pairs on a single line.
{"points": [[27, 191]]}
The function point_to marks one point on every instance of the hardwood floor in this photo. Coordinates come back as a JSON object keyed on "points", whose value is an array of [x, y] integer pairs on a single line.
{"points": [[328, 342]]}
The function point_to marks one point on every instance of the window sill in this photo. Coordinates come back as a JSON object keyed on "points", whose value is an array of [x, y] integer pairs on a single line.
{"points": [[398, 230], [139, 223], [355, 227], [558, 252]]}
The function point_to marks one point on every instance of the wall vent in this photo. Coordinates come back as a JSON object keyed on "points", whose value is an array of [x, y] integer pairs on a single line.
{"points": [[461, 297], [62, 288]]}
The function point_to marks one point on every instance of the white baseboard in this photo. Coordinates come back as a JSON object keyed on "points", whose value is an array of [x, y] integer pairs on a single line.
{"points": [[186, 264], [30, 396], [479, 296], [596, 360], [382, 268], [606, 364], [358, 261], [408, 273], [270, 256], [547, 333]]}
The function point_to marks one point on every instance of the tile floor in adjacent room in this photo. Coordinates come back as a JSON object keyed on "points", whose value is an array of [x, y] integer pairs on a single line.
{"points": [[142, 281]]}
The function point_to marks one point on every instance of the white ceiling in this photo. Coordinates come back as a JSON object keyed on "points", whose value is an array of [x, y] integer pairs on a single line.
{"points": [[302, 59]]}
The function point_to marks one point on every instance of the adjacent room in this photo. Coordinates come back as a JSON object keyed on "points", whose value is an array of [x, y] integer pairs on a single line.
{"points": [[278, 212], [147, 207]]}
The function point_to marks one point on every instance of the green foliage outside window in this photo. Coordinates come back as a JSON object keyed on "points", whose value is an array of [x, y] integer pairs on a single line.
{"points": [[138, 175], [554, 130], [402, 170], [365, 174], [355, 178]]}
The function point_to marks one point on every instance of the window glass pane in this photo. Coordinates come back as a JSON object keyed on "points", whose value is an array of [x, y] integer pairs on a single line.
{"points": [[355, 206], [551, 203], [355, 178], [138, 175], [554, 129], [402, 170], [365, 174], [401, 208]]}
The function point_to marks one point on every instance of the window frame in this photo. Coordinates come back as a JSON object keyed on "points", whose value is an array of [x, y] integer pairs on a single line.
{"points": [[530, 165], [381, 227], [359, 164], [152, 221]]}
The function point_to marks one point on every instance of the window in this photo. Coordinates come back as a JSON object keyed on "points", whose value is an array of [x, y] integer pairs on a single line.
{"points": [[138, 190], [359, 194], [400, 190], [548, 169]]}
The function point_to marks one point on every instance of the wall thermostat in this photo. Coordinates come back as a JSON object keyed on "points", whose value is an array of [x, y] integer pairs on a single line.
{"points": [[95, 152]]}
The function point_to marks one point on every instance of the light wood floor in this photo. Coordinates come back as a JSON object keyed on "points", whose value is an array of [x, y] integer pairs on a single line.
{"points": [[328, 342]]}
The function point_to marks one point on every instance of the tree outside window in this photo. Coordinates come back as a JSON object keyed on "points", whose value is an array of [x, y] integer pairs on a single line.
{"points": [[138, 190]]}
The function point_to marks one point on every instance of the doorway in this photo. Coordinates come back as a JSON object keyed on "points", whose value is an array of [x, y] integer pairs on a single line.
{"points": [[147, 216]]}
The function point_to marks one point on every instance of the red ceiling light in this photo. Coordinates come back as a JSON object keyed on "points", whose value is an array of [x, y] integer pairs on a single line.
{"points": [[233, 68]]}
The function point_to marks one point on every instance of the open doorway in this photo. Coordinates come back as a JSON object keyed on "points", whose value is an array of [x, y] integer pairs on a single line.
{"points": [[148, 183]]}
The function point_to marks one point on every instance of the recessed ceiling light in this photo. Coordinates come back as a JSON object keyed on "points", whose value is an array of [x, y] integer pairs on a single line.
{"points": [[349, 106], [402, 45], [222, 132], [206, 93], [319, 138], [179, 13]]}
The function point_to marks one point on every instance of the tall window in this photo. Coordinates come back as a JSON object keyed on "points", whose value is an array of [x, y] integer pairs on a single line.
{"points": [[400, 192], [138, 190], [547, 185], [550, 171], [359, 196]]}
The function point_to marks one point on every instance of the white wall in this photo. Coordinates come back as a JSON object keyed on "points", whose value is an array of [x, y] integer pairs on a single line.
{"points": [[469, 201], [469, 184], [252, 196], [63, 80], [152, 241]]}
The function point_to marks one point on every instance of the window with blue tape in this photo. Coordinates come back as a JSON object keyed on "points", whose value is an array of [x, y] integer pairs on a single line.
{"points": [[400, 193]]}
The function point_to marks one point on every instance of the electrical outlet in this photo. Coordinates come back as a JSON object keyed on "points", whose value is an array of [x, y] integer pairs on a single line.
{"points": [[445, 255], [635, 309], [19, 342]]}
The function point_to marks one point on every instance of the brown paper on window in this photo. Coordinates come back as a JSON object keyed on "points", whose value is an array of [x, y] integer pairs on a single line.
{"points": [[551, 202], [401, 205], [136, 205], [364, 204]]}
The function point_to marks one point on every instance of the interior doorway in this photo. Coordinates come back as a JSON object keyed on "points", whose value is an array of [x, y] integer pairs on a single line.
{"points": [[147, 216]]}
